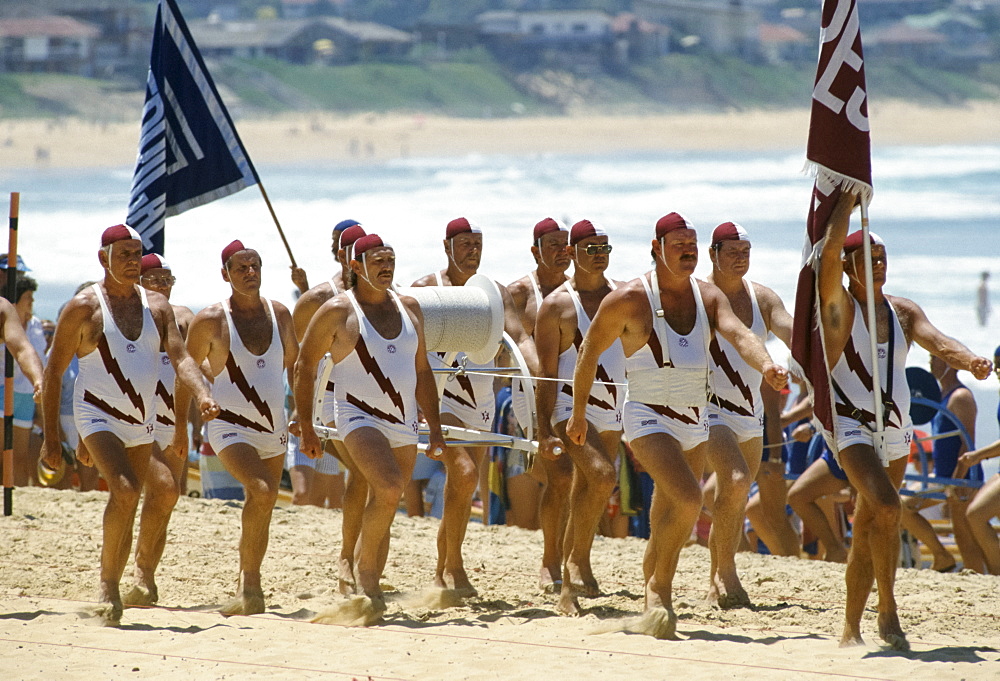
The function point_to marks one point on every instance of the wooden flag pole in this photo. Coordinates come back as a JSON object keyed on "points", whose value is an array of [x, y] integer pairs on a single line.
{"points": [[8, 381], [879, 439], [277, 224]]}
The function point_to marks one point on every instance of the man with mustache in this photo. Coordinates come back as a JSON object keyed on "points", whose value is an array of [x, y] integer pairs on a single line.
{"points": [[665, 321]]}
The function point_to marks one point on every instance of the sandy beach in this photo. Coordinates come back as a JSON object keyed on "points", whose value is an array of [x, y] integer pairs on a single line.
{"points": [[376, 138], [511, 631]]}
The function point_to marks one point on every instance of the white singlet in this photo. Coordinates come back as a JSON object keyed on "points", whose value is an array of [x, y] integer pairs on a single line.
{"points": [[469, 397], [329, 401], [853, 374], [735, 399], [251, 395], [668, 376], [604, 406], [376, 384], [115, 386]]}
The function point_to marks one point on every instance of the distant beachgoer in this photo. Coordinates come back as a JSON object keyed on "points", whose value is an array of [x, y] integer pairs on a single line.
{"points": [[875, 469], [166, 476], [527, 507], [983, 308], [736, 411], [665, 320], [248, 342], [376, 341], [561, 324], [116, 328], [315, 479], [468, 402]]}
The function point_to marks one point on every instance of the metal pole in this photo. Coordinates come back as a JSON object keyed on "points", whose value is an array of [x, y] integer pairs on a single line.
{"points": [[873, 335], [8, 381], [274, 216]]}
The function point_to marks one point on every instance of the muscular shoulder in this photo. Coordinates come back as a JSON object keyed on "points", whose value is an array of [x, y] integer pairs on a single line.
{"points": [[556, 303], [336, 309], [767, 299], [907, 311], [426, 280], [628, 299], [316, 296], [519, 290], [413, 307], [212, 314]]}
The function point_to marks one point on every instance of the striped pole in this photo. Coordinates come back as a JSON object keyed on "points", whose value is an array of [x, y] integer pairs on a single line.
{"points": [[8, 380]]}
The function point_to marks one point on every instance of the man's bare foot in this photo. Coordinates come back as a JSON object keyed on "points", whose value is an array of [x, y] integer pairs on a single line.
{"points": [[836, 554], [658, 622], [891, 632], [141, 595], [851, 636], [728, 595], [582, 579], [457, 581], [346, 583], [943, 563], [549, 580], [249, 602], [109, 605], [568, 603]]}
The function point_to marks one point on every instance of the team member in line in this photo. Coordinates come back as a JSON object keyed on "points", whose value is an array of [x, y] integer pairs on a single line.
{"points": [[665, 320], [116, 328], [248, 342]]}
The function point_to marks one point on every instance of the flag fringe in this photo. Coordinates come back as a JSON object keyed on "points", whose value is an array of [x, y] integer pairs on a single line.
{"points": [[845, 182]]}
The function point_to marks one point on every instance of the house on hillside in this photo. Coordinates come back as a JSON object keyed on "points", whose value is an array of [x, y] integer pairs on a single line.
{"points": [[902, 42], [300, 41], [637, 39], [47, 44], [783, 44], [576, 39], [727, 27]]}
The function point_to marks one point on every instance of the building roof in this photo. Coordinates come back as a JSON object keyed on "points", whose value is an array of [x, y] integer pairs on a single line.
{"points": [[900, 33], [622, 23], [781, 33], [277, 32], [53, 27]]}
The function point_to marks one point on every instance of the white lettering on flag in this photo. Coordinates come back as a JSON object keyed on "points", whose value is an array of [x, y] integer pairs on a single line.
{"points": [[844, 28]]}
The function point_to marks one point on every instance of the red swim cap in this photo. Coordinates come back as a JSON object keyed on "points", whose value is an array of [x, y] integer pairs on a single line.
{"points": [[153, 261], [460, 226], [232, 249], [729, 231], [855, 240], [367, 243], [671, 222], [350, 235], [120, 232], [548, 226], [584, 229]]}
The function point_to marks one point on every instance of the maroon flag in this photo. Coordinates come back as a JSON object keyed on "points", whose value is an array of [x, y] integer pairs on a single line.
{"points": [[839, 155]]}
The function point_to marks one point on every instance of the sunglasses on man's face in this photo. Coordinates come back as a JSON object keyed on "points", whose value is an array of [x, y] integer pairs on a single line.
{"points": [[594, 249]]}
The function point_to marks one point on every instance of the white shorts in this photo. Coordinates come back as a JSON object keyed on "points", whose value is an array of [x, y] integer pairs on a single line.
{"points": [[329, 412], [89, 420], [849, 432], [744, 427], [222, 434], [163, 434], [640, 420], [478, 418], [324, 465], [603, 420], [349, 418]]}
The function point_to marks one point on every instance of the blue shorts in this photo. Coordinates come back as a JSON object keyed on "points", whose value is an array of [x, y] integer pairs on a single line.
{"points": [[425, 467], [24, 408], [831, 461]]}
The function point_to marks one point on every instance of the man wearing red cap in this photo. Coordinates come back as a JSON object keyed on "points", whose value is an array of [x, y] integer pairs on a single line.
{"points": [[376, 341], [116, 329], [665, 320], [736, 414], [552, 260], [166, 475], [313, 482], [562, 323], [874, 464], [468, 402], [248, 342]]}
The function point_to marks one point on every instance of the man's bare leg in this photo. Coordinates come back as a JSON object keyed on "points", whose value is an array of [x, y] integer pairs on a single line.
{"points": [[734, 472], [983, 508], [462, 477], [388, 469], [817, 481], [355, 500], [972, 556], [917, 525], [768, 516], [260, 479], [673, 513], [553, 514], [161, 490], [593, 480], [124, 470], [524, 492], [875, 547]]}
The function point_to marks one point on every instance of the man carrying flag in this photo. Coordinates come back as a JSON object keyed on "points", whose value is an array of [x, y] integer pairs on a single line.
{"points": [[869, 437]]}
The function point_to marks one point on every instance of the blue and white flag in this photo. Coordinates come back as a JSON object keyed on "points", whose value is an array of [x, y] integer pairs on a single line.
{"points": [[189, 152]]}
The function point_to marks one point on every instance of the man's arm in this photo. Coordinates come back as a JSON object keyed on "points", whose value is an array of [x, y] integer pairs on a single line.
{"points": [[729, 326], [65, 343], [512, 325], [548, 343], [201, 334], [427, 395], [319, 338], [305, 308], [776, 317], [832, 295], [290, 345], [927, 336], [20, 347]]}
